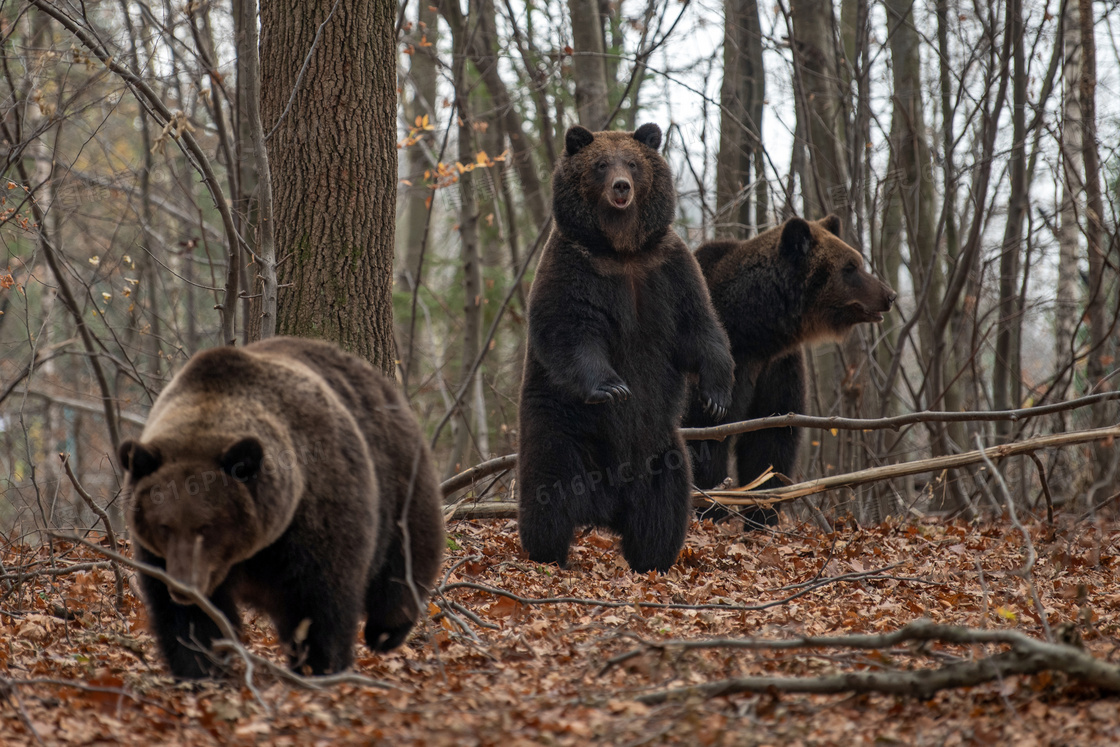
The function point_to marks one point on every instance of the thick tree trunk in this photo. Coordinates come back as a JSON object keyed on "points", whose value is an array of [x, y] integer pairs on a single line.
{"points": [[589, 65], [333, 159]]}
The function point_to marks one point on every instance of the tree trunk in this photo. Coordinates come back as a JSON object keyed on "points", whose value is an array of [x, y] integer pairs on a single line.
{"points": [[333, 159], [1006, 377], [741, 97], [1066, 312], [261, 322], [423, 74], [589, 65], [1096, 308], [820, 97], [919, 213]]}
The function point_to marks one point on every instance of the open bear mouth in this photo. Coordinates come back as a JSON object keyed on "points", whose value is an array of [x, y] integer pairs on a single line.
{"points": [[621, 202]]}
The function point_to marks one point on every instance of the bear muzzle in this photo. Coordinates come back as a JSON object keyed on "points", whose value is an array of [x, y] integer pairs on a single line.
{"points": [[621, 193]]}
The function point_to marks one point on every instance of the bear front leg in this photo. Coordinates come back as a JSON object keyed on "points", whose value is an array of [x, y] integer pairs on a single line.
{"points": [[702, 344], [657, 510], [184, 632], [780, 390]]}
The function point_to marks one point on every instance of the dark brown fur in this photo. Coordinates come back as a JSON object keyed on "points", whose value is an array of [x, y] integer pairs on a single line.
{"points": [[277, 475], [618, 317], [790, 286]]}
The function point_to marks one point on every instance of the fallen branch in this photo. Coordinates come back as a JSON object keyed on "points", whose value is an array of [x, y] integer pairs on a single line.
{"points": [[468, 476], [935, 464], [1026, 656], [720, 432], [739, 497], [231, 639]]}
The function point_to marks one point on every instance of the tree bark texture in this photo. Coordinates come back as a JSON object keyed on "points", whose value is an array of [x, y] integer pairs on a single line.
{"points": [[333, 160], [1066, 312], [741, 97], [1096, 307], [1006, 375], [589, 65]]}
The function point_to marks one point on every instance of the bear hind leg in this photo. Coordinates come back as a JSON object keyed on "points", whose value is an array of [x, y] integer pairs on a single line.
{"points": [[557, 496], [657, 511]]}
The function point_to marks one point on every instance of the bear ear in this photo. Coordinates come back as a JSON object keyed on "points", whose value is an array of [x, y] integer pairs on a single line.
{"points": [[649, 134], [137, 460], [577, 139], [796, 240], [242, 461], [830, 223]]}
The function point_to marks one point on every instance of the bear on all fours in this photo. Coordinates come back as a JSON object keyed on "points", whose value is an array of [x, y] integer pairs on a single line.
{"points": [[278, 475], [619, 316], [793, 285]]}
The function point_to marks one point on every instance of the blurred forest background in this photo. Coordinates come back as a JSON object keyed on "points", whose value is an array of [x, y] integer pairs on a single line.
{"points": [[167, 189]]}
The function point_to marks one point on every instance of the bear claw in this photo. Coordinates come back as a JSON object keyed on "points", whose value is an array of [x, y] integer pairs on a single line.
{"points": [[609, 393], [717, 411]]}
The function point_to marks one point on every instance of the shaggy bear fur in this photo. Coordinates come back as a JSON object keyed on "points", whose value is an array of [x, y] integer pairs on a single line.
{"points": [[618, 316], [795, 284], [277, 475]]}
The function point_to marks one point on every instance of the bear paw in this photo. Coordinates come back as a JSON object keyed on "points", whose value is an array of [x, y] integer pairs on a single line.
{"points": [[715, 405], [609, 391]]}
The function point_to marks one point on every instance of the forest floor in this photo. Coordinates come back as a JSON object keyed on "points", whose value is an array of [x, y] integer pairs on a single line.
{"points": [[74, 670]]}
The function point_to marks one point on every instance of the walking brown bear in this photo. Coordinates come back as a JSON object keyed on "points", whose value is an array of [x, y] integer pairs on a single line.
{"points": [[279, 475], [790, 286], [618, 317]]}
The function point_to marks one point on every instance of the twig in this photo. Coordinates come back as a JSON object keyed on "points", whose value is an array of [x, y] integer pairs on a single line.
{"points": [[613, 604], [1027, 571], [104, 520], [720, 432], [76, 568], [8, 690], [1045, 488]]}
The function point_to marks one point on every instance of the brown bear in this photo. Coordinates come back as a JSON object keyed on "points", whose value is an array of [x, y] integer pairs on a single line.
{"points": [[790, 286], [284, 475], [618, 317]]}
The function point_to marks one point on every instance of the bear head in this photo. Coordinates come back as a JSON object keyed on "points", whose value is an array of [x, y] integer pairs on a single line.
{"points": [[839, 292], [613, 190], [197, 509]]}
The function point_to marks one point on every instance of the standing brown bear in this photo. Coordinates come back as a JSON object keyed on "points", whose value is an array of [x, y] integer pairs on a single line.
{"points": [[283, 475], [795, 284], [618, 316]]}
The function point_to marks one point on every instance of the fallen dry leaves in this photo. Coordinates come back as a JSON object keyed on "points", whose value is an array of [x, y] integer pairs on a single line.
{"points": [[487, 668]]}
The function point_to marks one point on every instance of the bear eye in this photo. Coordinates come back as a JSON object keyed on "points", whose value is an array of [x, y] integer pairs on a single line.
{"points": [[602, 165], [850, 267], [633, 165]]}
